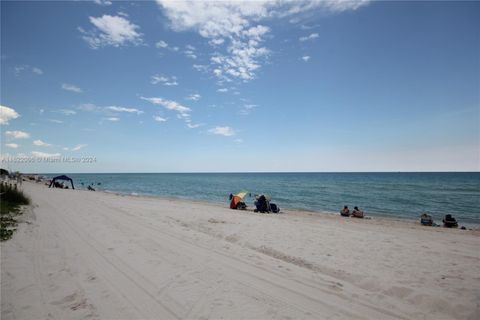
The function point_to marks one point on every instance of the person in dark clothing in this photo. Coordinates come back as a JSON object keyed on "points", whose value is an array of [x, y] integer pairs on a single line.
{"points": [[345, 212], [450, 222]]}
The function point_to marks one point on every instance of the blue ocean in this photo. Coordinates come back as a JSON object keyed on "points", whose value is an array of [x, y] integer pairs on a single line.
{"points": [[397, 195]]}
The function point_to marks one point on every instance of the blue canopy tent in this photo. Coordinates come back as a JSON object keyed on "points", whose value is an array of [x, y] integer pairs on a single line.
{"points": [[62, 177]]}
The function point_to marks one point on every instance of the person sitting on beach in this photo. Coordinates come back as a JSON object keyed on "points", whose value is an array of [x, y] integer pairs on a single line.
{"points": [[345, 212], [450, 222], [357, 213]]}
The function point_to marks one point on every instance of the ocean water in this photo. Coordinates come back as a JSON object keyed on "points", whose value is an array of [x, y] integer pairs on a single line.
{"points": [[398, 195]]}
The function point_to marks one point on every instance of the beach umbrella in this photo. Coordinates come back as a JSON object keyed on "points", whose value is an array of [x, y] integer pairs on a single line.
{"points": [[236, 199], [241, 194]]}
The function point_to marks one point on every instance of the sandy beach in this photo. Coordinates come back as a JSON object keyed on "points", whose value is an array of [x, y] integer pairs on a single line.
{"points": [[93, 255]]}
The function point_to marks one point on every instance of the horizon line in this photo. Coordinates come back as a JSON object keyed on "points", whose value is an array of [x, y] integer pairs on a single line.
{"points": [[237, 172]]}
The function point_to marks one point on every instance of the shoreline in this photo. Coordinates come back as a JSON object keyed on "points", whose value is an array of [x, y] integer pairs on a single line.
{"points": [[290, 210]]}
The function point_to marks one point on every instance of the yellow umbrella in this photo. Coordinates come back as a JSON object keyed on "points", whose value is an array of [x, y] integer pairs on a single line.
{"points": [[241, 194]]}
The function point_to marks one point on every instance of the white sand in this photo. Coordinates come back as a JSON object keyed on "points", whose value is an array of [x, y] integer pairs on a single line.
{"points": [[91, 255]]}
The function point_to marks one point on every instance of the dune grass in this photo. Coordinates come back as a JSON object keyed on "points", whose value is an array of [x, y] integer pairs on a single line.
{"points": [[10, 201]]}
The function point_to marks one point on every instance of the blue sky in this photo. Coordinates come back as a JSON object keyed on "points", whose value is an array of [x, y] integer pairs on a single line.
{"points": [[240, 86]]}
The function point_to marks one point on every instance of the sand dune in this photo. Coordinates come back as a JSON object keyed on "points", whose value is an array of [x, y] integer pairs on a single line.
{"points": [[92, 255]]}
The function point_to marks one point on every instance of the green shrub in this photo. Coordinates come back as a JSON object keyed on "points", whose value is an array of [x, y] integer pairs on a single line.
{"points": [[11, 195], [10, 202]]}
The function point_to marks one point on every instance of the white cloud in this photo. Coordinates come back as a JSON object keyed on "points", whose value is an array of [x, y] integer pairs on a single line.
{"points": [[67, 112], [309, 37], [123, 109], [11, 145], [200, 67], [111, 31], [247, 109], [224, 131], [103, 2], [238, 140], [216, 42], [37, 70], [41, 143], [71, 87], [193, 126], [7, 114], [306, 58], [78, 147], [113, 119], [18, 70], [17, 134], [222, 90], [89, 107], [55, 121], [166, 81], [40, 154], [159, 119], [190, 54], [238, 23], [170, 105], [161, 44], [194, 97]]}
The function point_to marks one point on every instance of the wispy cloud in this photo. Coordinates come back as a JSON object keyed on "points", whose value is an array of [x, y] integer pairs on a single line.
{"points": [[222, 90], [193, 126], [166, 81], [18, 70], [67, 112], [224, 131], [55, 120], [40, 154], [103, 2], [200, 67], [11, 145], [89, 107], [247, 109], [194, 97], [168, 104], [234, 30], [161, 44], [41, 143], [71, 87], [37, 70], [183, 112], [216, 42], [306, 58], [7, 114], [111, 31], [159, 119], [16, 134], [113, 119], [311, 36], [190, 52], [78, 147], [123, 109]]}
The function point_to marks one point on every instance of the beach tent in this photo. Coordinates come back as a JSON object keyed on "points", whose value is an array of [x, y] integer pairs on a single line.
{"points": [[62, 177], [237, 198]]}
